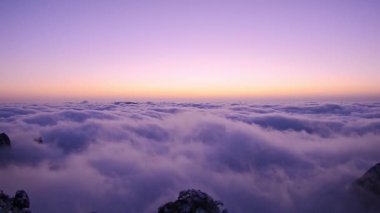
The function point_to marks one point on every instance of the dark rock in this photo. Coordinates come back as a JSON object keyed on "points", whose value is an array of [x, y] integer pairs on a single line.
{"points": [[5, 202], [39, 140], [4, 140], [366, 189], [18, 204], [192, 201], [370, 181], [21, 200], [125, 103]]}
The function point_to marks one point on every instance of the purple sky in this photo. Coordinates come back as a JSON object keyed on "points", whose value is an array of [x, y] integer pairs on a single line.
{"points": [[188, 48]]}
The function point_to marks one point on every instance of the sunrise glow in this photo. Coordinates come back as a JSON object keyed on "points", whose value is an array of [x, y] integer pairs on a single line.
{"points": [[181, 49]]}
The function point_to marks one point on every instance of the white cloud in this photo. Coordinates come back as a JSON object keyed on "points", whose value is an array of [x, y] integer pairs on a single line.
{"points": [[135, 157]]}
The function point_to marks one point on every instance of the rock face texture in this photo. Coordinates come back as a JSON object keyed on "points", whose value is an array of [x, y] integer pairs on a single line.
{"points": [[18, 204], [192, 201], [4, 140], [367, 189]]}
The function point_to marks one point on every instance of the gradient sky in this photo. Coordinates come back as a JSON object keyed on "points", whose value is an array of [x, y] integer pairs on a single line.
{"points": [[188, 48]]}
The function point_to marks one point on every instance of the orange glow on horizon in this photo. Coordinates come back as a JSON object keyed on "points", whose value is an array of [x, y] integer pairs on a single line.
{"points": [[141, 92]]}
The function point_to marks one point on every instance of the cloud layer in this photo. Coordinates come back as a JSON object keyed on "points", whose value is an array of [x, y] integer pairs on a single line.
{"points": [[134, 157]]}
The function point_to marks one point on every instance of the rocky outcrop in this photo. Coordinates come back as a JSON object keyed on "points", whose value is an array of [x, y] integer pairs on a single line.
{"points": [[18, 204], [193, 201], [370, 181], [21, 200], [5, 202], [367, 189], [4, 140]]}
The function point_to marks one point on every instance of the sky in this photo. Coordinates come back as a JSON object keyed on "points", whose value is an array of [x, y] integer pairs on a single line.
{"points": [[188, 48]]}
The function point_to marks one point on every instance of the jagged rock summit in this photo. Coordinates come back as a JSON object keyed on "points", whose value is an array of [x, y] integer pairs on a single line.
{"points": [[192, 201], [18, 204], [4, 140]]}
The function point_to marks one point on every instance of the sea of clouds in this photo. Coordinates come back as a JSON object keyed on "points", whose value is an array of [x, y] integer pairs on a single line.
{"points": [[134, 157]]}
